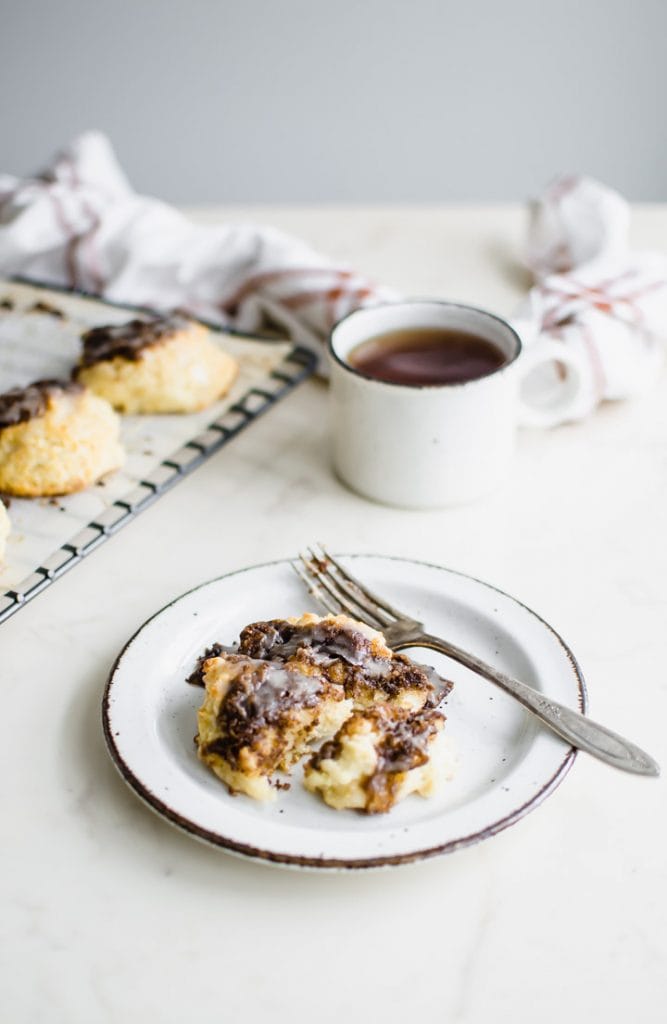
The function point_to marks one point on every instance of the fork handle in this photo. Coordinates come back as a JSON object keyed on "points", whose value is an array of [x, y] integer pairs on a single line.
{"points": [[578, 730]]}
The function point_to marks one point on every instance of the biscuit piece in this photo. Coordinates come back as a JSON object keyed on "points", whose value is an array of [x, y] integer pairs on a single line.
{"points": [[5, 527], [349, 653], [163, 365], [378, 757], [55, 437], [258, 718]]}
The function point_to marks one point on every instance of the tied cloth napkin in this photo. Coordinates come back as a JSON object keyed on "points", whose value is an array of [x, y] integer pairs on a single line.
{"points": [[595, 322], [592, 325]]}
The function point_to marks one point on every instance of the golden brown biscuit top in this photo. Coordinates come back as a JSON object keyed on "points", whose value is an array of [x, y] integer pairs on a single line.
{"points": [[21, 404], [128, 340]]}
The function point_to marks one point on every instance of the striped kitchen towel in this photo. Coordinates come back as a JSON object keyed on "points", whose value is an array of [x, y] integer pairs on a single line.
{"points": [[80, 224], [595, 322]]}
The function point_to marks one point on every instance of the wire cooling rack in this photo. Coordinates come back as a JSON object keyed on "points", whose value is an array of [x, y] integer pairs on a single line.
{"points": [[270, 370]]}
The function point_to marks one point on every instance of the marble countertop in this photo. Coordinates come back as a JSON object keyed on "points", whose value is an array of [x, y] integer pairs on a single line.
{"points": [[111, 915]]}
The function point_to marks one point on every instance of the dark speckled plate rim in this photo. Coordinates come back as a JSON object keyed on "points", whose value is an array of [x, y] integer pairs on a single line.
{"points": [[333, 863]]}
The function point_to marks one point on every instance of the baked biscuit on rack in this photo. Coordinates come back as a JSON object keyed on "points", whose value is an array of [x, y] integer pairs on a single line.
{"points": [[162, 365], [378, 757], [259, 718], [55, 437]]}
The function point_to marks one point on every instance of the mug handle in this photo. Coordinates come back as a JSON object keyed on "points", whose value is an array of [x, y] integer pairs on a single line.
{"points": [[565, 401]]}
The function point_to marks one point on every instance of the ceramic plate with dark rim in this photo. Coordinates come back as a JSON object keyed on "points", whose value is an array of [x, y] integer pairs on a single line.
{"points": [[507, 763]]}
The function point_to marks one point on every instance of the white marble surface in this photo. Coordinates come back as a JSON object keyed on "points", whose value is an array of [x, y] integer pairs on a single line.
{"points": [[111, 915]]}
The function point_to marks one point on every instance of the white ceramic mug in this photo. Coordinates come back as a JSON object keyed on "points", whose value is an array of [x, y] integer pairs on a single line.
{"points": [[424, 446]]}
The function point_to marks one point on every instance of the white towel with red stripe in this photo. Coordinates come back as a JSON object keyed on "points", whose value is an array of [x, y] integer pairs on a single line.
{"points": [[593, 325], [81, 225]]}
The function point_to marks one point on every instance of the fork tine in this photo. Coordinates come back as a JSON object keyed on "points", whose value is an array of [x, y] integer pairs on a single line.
{"points": [[378, 606], [320, 596], [346, 592], [348, 602], [326, 585]]}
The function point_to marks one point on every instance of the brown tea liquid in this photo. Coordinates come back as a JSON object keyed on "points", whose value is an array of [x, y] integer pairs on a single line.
{"points": [[426, 355]]}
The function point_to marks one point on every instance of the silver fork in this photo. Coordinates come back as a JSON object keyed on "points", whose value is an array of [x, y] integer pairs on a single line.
{"points": [[336, 590]]}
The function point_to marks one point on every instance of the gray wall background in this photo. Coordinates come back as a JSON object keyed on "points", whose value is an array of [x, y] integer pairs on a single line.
{"points": [[374, 100]]}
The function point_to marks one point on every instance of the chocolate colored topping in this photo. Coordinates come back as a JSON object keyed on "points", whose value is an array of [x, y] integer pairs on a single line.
{"points": [[404, 746], [196, 677], [402, 743], [329, 751], [405, 741], [279, 640], [127, 341], [46, 307], [22, 404], [261, 695], [6, 304], [344, 655]]}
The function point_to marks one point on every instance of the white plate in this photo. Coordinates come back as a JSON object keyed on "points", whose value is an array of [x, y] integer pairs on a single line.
{"points": [[508, 763]]}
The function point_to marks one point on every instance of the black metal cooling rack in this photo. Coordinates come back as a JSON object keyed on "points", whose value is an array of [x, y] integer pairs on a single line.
{"points": [[298, 364]]}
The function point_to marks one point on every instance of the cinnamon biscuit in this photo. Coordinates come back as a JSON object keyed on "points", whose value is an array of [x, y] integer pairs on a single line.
{"points": [[55, 437], [162, 365], [294, 682], [259, 718], [377, 758]]}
